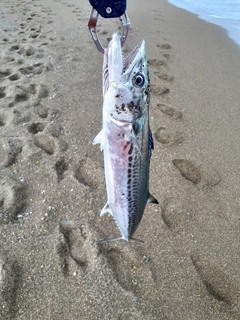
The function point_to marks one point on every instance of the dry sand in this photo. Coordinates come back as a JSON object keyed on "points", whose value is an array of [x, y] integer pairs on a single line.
{"points": [[52, 182]]}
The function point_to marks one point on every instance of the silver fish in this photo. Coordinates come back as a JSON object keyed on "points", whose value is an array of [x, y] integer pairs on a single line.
{"points": [[126, 138]]}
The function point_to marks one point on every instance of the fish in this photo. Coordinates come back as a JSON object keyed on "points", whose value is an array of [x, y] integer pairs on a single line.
{"points": [[126, 139]]}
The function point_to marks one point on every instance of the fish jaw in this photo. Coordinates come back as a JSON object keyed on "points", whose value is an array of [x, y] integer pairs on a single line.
{"points": [[115, 65], [121, 94], [114, 60]]}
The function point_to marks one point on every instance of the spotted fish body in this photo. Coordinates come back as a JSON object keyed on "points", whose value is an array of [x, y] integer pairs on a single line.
{"points": [[125, 137]]}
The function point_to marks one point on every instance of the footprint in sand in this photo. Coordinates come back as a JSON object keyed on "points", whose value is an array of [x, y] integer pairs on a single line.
{"points": [[20, 94], [2, 121], [16, 47], [197, 173], [88, 173], [2, 92], [20, 117], [164, 136], [123, 267], [164, 46], [10, 284], [14, 77], [23, 25], [166, 55], [156, 62], [31, 93], [217, 282], [175, 217], [55, 129], [14, 148], [159, 90], [188, 169], [9, 59], [13, 196], [45, 142], [29, 52], [42, 111], [36, 127], [35, 69], [164, 76], [4, 73], [128, 267], [76, 246], [9, 151], [170, 111], [61, 166]]}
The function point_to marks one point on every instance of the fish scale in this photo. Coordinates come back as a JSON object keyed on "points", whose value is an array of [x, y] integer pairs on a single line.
{"points": [[126, 138]]}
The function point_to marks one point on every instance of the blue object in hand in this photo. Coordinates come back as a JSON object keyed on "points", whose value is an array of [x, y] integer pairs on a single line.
{"points": [[109, 8]]}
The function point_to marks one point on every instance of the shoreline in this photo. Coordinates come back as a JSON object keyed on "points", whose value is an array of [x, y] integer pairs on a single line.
{"points": [[52, 185], [220, 21]]}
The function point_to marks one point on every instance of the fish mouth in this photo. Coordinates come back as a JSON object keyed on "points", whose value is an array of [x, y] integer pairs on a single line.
{"points": [[115, 67], [133, 58]]}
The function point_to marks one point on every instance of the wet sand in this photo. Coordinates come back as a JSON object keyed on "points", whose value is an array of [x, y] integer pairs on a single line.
{"points": [[52, 186]]}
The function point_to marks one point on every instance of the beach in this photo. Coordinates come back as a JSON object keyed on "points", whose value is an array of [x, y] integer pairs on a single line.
{"points": [[52, 185]]}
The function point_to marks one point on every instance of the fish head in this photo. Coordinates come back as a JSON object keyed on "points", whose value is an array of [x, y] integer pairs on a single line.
{"points": [[125, 81]]}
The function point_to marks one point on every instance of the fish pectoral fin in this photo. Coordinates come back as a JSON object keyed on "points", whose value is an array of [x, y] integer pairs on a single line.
{"points": [[99, 139], [106, 209], [151, 199], [134, 142]]}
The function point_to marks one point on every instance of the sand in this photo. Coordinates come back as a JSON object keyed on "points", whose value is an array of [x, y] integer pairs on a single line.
{"points": [[52, 186]]}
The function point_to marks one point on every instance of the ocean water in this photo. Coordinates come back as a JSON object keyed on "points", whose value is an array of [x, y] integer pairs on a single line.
{"points": [[225, 13]]}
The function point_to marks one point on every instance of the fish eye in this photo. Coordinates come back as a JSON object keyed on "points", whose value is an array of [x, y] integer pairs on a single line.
{"points": [[138, 80]]}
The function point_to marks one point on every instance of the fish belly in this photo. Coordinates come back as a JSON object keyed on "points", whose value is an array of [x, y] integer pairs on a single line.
{"points": [[126, 174]]}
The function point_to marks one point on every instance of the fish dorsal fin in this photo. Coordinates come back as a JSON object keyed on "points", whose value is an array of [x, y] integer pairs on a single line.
{"points": [[151, 199], [99, 139], [106, 209], [150, 143]]}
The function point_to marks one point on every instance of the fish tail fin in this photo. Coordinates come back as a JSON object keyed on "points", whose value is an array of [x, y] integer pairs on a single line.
{"points": [[112, 239], [122, 238], [135, 239], [106, 209], [151, 199]]}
